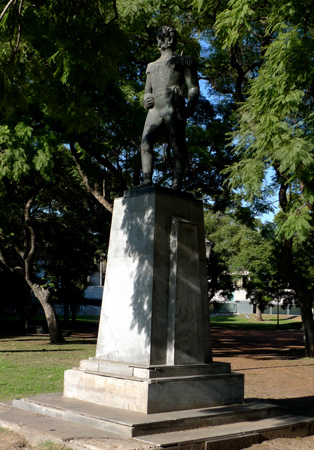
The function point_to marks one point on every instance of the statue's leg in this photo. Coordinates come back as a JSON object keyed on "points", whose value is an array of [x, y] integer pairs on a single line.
{"points": [[150, 134], [177, 138]]}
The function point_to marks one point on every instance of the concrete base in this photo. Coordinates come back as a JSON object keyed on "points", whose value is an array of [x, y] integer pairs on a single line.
{"points": [[155, 301], [83, 425], [129, 424], [154, 389], [153, 350]]}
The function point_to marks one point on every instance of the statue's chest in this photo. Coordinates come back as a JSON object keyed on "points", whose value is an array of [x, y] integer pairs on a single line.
{"points": [[167, 73]]}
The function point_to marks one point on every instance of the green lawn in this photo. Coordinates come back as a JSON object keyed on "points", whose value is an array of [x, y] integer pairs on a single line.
{"points": [[31, 365], [248, 321]]}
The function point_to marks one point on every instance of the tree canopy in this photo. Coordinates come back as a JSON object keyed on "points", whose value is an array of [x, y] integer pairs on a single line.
{"points": [[72, 83]]}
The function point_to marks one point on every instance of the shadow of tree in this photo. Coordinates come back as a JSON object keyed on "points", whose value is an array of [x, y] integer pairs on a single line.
{"points": [[300, 405], [139, 257], [259, 344]]}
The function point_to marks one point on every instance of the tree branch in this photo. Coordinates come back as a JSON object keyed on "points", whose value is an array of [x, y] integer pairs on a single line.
{"points": [[115, 17], [85, 180], [238, 67], [6, 8], [19, 26], [9, 265], [28, 221], [303, 186], [104, 162]]}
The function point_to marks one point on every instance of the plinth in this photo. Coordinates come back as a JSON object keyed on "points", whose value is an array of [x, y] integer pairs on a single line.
{"points": [[153, 350]]}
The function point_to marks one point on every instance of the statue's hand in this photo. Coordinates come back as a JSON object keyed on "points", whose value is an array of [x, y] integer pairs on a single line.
{"points": [[148, 102]]}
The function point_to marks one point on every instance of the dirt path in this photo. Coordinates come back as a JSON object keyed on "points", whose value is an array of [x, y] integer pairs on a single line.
{"points": [[274, 367], [273, 364]]}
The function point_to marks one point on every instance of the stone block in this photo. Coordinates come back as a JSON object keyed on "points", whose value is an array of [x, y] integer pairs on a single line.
{"points": [[153, 351], [155, 395], [155, 303]]}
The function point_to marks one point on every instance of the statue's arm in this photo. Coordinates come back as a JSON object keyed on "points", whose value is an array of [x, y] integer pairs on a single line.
{"points": [[148, 101], [191, 79]]}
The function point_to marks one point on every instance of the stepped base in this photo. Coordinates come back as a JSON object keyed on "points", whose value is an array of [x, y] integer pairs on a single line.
{"points": [[83, 425], [131, 424], [154, 389]]}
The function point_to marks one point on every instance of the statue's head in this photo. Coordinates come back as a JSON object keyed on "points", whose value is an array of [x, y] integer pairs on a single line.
{"points": [[167, 38]]}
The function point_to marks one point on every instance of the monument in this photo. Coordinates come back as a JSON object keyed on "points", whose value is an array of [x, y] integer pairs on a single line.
{"points": [[152, 383], [165, 103], [153, 350]]}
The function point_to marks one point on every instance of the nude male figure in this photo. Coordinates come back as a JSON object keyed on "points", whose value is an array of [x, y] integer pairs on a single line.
{"points": [[166, 105]]}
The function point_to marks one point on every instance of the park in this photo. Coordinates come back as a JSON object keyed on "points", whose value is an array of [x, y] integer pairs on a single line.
{"points": [[170, 146], [268, 357]]}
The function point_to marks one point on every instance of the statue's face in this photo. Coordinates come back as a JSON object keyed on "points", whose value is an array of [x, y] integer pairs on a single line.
{"points": [[164, 40]]}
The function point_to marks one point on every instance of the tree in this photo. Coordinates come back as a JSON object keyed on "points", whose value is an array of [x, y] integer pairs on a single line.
{"points": [[18, 250], [58, 62], [276, 130], [39, 229], [73, 75], [246, 250]]}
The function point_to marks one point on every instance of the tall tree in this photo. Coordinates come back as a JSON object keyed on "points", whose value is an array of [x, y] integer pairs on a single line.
{"points": [[37, 212], [276, 130], [246, 251]]}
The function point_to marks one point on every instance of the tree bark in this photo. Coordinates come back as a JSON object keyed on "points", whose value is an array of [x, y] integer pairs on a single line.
{"points": [[258, 313], [295, 280], [307, 323], [44, 297], [304, 294]]}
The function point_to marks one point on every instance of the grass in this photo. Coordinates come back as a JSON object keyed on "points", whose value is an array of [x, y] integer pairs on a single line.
{"points": [[30, 364], [248, 322]]}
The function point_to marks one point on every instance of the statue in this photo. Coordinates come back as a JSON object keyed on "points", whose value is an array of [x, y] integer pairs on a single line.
{"points": [[166, 106]]}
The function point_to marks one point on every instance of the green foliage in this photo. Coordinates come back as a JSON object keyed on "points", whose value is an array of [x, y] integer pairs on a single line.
{"points": [[236, 21], [246, 252], [71, 83], [275, 122]]}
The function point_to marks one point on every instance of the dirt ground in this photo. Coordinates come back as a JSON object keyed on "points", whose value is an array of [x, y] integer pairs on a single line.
{"points": [[274, 367]]}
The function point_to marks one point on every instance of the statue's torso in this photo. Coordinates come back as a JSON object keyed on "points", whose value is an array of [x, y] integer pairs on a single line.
{"points": [[166, 73]]}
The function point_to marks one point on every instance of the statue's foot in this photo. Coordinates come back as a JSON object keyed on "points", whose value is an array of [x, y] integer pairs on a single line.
{"points": [[176, 185], [147, 180], [145, 183]]}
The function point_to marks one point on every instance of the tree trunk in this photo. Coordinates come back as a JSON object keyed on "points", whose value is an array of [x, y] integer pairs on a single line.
{"points": [[258, 313], [258, 305], [295, 280], [308, 324], [43, 296]]}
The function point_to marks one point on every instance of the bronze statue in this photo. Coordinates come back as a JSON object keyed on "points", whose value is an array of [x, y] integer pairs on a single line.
{"points": [[166, 104]]}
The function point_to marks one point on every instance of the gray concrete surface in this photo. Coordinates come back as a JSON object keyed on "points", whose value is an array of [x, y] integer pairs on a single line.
{"points": [[76, 425]]}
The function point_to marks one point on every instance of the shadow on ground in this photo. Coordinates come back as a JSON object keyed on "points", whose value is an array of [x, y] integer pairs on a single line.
{"points": [[259, 344], [300, 405]]}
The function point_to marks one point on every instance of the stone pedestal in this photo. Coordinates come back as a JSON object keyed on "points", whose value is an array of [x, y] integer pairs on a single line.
{"points": [[153, 350]]}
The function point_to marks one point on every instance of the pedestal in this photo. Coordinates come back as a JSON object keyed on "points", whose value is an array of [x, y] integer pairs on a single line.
{"points": [[153, 350]]}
